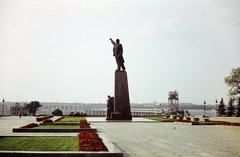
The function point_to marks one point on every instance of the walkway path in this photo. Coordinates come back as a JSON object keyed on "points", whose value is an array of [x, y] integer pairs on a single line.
{"points": [[170, 139]]}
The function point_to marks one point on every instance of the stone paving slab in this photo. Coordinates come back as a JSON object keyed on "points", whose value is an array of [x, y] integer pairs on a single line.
{"points": [[161, 139]]}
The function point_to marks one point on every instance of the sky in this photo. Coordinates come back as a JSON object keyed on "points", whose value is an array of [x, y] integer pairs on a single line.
{"points": [[59, 51]]}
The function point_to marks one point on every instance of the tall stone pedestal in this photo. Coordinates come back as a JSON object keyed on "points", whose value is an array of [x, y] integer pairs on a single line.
{"points": [[122, 110]]}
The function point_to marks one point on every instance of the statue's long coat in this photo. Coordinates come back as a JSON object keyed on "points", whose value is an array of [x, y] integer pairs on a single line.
{"points": [[118, 51]]}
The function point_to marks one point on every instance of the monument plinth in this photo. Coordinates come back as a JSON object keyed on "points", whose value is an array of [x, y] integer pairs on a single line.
{"points": [[121, 108]]}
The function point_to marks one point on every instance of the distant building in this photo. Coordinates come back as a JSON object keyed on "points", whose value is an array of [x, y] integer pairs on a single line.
{"points": [[16, 110]]}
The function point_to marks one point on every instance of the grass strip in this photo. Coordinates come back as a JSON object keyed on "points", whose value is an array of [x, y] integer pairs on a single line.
{"points": [[161, 119], [65, 123], [72, 119], [38, 143], [57, 127]]}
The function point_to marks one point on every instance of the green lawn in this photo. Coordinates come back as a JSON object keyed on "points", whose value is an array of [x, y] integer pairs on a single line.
{"points": [[39, 143], [72, 119], [161, 119], [64, 123], [57, 127]]}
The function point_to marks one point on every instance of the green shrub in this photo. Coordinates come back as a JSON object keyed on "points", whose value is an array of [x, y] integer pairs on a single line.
{"points": [[41, 118], [196, 119], [206, 120], [50, 116], [180, 117]]}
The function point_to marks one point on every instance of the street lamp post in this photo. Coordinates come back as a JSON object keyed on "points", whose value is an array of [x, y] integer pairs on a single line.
{"points": [[216, 106], [3, 107], [204, 108]]}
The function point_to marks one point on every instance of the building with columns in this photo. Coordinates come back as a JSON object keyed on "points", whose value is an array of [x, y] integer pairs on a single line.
{"points": [[16, 110]]}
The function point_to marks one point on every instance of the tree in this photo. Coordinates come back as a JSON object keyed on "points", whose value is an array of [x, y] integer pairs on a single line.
{"points": [[221, 111], [238, 108], [231, 108], [233, 81], [57, 112], [33, 107]]}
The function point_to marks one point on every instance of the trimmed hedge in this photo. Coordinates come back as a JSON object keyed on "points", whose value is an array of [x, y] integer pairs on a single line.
{"points": [[196, 119], [41, 118]]}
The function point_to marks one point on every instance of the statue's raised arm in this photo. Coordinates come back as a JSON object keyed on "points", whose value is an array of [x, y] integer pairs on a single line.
{"points": [[112, 41]]}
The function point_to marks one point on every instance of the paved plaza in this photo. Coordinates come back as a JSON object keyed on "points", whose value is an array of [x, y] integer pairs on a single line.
{"points": [[147, 138]]}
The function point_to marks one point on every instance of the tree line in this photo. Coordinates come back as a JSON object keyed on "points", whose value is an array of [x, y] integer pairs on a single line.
{"points": [[229, 110], [233, 107]]}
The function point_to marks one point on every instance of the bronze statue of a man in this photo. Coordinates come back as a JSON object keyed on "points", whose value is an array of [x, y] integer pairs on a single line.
{"points": [[110, 103], [118, 53]]}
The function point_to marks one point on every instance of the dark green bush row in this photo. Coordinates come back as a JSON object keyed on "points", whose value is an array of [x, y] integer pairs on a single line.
{"points": [[41, 118]]}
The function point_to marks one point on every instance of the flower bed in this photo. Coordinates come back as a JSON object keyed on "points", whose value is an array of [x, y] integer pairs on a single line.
{"points": [[31, 125], [59, 119], [235, 124], [84, 124], [188, 121], [83, 121], [195, 123], [89, 141], [231, 123], [185, 121], [47, 121], [220, 122], [168, 120]]}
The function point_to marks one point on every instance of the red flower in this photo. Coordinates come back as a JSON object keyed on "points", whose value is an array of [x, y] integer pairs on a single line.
{"points": [[89, 141], [47, 121], [195, 123], [83, 121], [85, 126], [31, 125]]}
